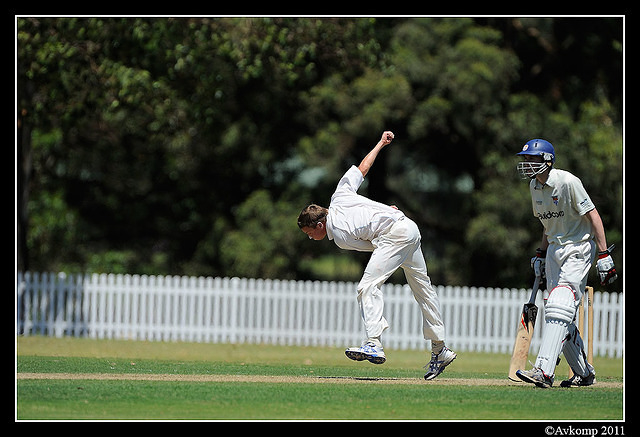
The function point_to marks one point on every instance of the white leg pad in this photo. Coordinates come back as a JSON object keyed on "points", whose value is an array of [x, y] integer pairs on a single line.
{"points": [[561, 304], [555, 331], [560, 311]]}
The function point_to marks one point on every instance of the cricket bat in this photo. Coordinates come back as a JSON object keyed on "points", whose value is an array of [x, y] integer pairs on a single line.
{"points": [[524, 334]]}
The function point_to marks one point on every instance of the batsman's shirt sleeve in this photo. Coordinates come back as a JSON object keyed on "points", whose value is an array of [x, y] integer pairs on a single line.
{"points": [[581, 200]]}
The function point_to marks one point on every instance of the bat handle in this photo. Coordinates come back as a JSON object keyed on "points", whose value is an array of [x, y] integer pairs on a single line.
{"points": [[534, 291]]}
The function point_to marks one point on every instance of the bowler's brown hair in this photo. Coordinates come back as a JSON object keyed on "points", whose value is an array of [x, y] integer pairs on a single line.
{"points": [[311, 215]]}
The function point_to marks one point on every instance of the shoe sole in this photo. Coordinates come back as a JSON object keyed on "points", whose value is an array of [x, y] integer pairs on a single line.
{"points": [[532, 381], [360, 356], [429, 377]]}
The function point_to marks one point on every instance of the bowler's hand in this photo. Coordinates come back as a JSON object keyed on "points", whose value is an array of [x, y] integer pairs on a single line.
{"points": [[387, 137]]}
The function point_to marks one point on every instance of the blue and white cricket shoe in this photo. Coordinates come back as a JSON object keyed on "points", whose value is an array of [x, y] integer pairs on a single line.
{"points": [[439, 362], [368, 351]]}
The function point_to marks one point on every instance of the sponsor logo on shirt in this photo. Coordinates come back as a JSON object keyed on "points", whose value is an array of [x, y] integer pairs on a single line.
{"points": [[550, 215]]}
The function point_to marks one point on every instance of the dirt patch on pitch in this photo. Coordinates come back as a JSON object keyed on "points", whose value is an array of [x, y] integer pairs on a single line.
{"points": [[284, 379]]}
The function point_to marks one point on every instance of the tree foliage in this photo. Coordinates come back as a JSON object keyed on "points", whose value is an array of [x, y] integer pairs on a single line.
{"points": [[189, 145]]}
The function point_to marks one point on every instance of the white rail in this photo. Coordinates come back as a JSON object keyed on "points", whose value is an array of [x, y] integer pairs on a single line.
{"points": [[233, 310]]}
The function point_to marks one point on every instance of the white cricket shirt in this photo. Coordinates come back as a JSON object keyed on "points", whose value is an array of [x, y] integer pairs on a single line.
{"points": [[355, 220], [561, 204]]}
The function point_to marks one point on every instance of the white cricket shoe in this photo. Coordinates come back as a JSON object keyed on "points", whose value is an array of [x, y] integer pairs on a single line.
{"points": [[439, 362], [368, 351], [535, 376]]}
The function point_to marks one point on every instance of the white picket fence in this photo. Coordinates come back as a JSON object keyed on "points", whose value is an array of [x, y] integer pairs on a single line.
{"points": [[234, 310]]}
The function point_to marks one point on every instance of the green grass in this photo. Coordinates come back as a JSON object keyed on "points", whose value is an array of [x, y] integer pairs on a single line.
{"points": [[93, 399]]}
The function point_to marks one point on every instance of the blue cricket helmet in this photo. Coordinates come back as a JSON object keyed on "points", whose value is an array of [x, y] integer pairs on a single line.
{"points": [[539, 147]]}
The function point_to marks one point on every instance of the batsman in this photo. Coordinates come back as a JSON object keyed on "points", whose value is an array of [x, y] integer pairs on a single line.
{"points": [[572, 234]]}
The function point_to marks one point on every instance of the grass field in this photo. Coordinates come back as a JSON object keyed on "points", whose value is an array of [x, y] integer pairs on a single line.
{"points": [[82, 379]]}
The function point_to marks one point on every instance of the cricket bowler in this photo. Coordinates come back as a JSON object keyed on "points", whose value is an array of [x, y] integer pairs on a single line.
{"points": [[355, 222], [572, 233]]}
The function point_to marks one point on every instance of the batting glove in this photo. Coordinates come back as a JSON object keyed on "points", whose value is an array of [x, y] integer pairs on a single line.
{"points": [[538, 262], [605, 266]]}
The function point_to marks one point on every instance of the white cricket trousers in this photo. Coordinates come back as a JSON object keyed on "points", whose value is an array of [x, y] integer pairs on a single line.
{"points": [[570, 264], [399, 247]]}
